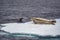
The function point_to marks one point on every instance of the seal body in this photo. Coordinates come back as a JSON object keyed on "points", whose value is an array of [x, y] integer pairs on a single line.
{"points": [[20, 20], [42, 21]]}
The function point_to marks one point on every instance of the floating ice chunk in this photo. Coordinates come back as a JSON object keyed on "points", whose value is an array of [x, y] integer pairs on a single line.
{"points": [[30, 27]]}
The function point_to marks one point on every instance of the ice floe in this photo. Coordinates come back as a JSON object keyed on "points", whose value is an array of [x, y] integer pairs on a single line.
{"points": [[30, 27]]}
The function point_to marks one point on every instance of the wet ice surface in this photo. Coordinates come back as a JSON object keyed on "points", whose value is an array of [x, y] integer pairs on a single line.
{"points": [[30, 27]]}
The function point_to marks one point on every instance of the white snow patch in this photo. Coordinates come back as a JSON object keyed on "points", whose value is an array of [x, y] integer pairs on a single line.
{"points": [[30, 27]]}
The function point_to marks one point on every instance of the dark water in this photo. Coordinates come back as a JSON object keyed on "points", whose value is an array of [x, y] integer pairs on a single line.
{"points": [[14, 9]]}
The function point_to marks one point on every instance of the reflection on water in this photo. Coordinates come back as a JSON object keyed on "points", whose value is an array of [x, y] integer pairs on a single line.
{"points": [[23, 36]]}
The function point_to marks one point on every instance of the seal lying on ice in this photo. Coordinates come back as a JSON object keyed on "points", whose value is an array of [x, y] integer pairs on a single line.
{"points": [[42, 21]]}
